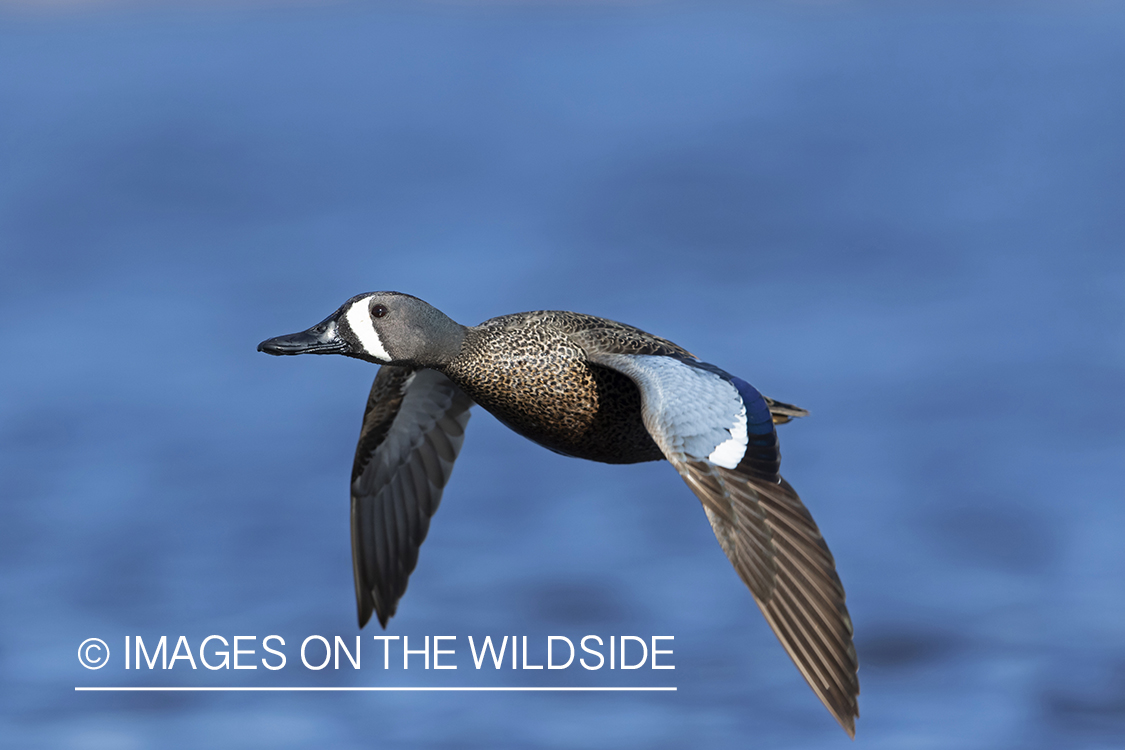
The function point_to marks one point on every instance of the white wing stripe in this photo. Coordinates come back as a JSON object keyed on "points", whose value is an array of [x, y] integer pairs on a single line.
{"points": [[731, 451]]}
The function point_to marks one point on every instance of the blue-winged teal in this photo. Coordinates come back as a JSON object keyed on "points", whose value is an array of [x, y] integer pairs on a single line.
{"points": [[590, 388]]}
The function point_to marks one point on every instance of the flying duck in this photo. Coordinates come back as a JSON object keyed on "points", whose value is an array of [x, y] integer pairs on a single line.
{"points": [[589, 388]]}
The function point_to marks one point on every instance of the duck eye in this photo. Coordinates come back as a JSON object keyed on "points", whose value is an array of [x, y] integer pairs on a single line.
{"points": [[378, 311]]}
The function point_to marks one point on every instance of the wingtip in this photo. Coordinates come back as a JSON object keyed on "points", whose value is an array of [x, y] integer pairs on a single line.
{"points": [[364, 608], [847, 714]]}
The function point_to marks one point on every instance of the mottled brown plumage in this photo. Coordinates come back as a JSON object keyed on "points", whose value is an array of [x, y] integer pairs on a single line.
{"points": [[531, 372]]}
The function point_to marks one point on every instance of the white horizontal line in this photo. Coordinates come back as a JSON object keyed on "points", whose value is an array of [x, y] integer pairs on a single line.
{"points": [[377, 689]]}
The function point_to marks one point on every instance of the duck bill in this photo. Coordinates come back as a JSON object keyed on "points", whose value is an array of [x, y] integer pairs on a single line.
{"points": [[323, 338]]}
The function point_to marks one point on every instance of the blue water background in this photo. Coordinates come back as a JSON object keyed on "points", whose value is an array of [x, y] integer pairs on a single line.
{"points": [[908, 219]]}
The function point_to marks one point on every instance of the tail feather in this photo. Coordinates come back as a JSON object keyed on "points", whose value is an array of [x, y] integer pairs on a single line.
{"points": [[782, 412]]}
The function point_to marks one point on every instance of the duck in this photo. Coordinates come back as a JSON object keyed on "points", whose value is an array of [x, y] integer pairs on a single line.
{"points": [[590, 388]]}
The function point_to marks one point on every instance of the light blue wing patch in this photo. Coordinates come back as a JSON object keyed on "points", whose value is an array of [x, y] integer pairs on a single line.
{"points": [[692, 413]]}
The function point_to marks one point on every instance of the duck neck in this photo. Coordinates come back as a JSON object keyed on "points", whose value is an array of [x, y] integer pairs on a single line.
{"points": [[443, 342]]}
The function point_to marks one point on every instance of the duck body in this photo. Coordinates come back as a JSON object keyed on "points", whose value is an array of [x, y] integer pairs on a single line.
{"points": [[595, 389], [530, 370]]}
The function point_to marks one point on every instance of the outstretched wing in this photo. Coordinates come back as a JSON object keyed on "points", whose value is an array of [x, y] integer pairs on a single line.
{"points": [[412, 431], [718, 432]]}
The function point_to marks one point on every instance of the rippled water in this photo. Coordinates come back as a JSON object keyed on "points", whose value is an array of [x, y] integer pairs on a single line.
{"points": [[907, 221]]}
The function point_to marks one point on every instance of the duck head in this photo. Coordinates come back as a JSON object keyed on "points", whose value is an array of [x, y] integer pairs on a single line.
{"points": [[380, 327]]}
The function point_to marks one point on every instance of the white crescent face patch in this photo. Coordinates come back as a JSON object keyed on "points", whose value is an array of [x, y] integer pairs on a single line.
{"points": [[359, 320]]}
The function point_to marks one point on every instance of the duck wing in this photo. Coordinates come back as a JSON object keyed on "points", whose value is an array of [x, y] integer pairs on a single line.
{"points": [[718, 432], [413, 428]]}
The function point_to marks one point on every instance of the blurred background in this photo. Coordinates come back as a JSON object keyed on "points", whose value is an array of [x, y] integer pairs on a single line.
{"points": [[906, 218]]}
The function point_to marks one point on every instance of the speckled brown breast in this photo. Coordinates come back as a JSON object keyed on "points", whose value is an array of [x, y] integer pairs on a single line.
{"points": [[534, 378]]}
